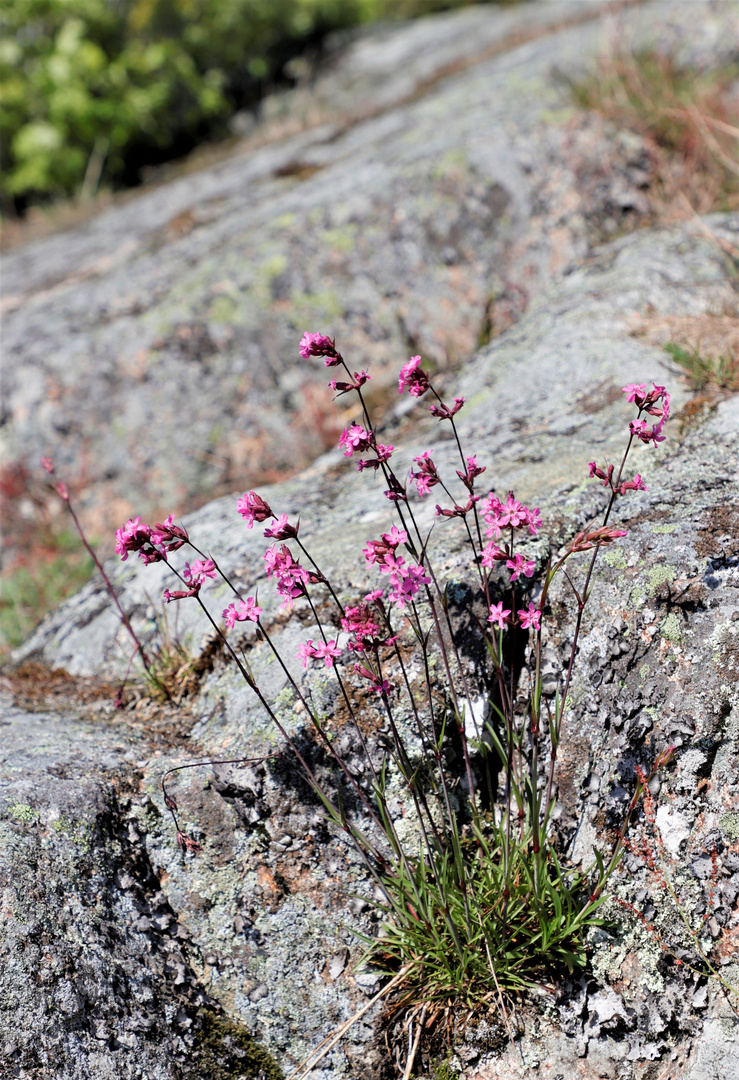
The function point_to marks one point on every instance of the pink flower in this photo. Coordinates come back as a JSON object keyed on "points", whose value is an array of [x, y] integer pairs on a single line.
{"points": [[413, 378], [498, 615], [492, 554], [529, 618], [395, 537], [172, 536], [179, 594], [457, 511], [355, 438], [360, 378], [48, 464], [292, 579], [520, 565], [327, 651], [306, 652], [473, 470], [513, 513], [281, 529], [635, 390], [637, 484], [603, 535], [253, 508], [319, 345], [241, 611], [374, 596], [407, 581], [131, 537], [427, 476], [533, 519], [606, 477], [199, 571], [445, 413], [384, 453]]}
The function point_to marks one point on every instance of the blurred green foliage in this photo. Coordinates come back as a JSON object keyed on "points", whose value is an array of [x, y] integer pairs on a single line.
{"points": [[27, 592], [92, 89]]}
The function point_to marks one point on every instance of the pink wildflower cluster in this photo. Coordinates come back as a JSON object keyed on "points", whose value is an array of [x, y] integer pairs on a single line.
{"points": [[649, 403], [252, 507], [590, 538], [194, 577], [328, 651], [355, 438], [637, 484], [427, 476], [416, 381], [291, 577], [241, 611], [413, 378], [384, 453], [360, 378], [320, 345], [510, 515], [405, 579], [443, 412], [526, 618], [153, 543], [281, 529], [473, 470]]}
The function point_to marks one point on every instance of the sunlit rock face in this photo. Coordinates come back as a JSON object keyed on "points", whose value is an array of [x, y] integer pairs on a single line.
{"points": [[124, 956]]}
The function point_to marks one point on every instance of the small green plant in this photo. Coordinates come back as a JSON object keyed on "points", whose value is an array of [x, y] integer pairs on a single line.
{"points": [[705, 372], [450, 815]]}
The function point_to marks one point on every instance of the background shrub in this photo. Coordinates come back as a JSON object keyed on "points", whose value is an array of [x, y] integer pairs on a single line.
{"points": [[94, 89]]}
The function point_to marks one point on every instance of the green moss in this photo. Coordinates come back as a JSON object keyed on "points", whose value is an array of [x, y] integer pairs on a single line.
{"points": [[670, 628], [615, 558], [660, 575], [22, 812], [340, 239], [225, 1049], [729, 825], [661, 529], [226, 309], [313, 308], [643, 672]]}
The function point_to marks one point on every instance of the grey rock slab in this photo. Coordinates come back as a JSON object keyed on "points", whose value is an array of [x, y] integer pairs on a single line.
{"points": [[543, 400], [153, 352], [267, 918]]}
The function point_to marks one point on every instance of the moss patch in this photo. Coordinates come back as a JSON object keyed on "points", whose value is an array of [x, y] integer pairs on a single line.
{"points": [[225, 1049], [670, 628], [660, 575]]}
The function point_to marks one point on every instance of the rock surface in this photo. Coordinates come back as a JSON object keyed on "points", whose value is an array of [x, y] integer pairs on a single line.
{"points": [[123, 956], [152, 351]]}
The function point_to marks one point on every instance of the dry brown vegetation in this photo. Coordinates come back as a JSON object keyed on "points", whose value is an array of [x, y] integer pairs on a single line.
{"points": [[687, 119]]}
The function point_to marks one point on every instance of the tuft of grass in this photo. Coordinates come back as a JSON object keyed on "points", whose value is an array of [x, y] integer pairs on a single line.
{"points": [[687, 118], [706, 372], [451, 939]]}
